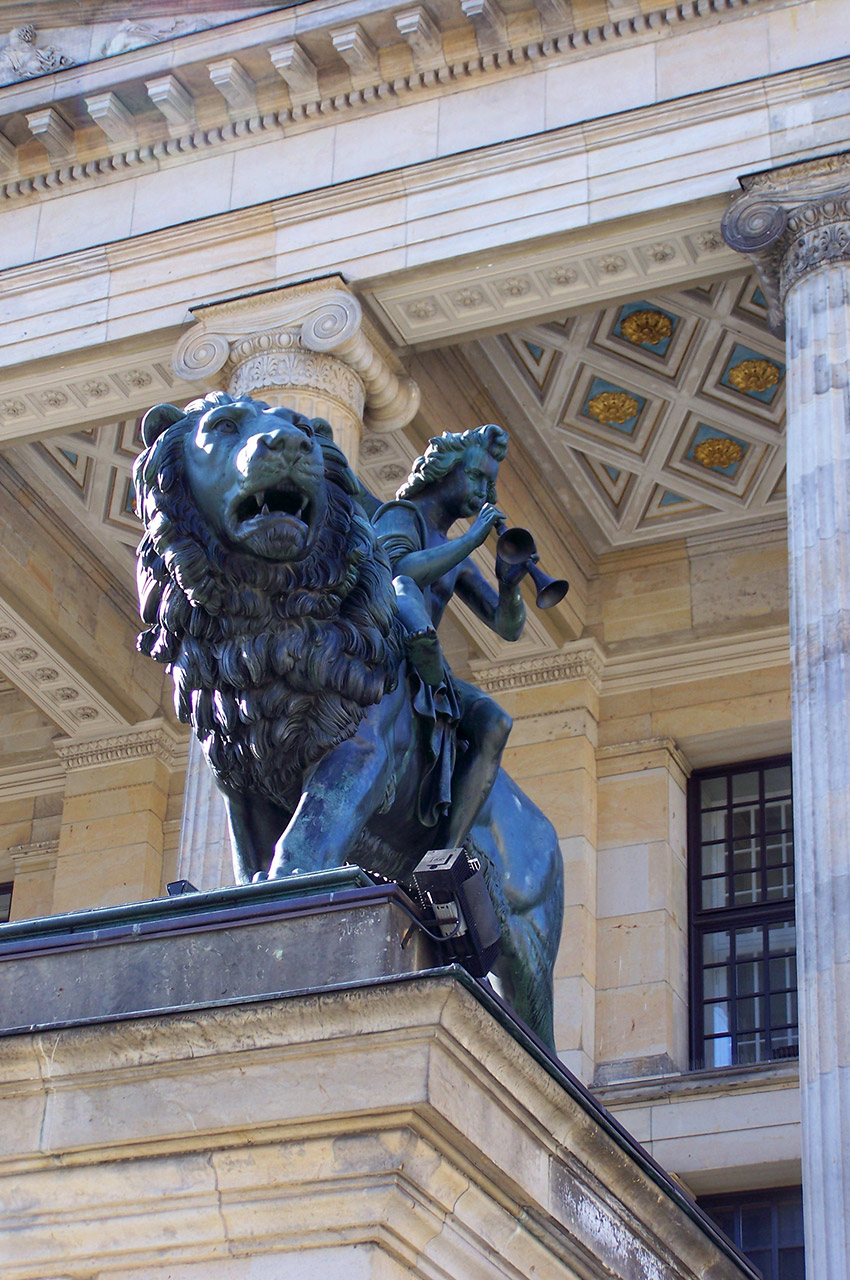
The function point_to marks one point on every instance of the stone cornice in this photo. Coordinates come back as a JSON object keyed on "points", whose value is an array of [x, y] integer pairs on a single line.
{"points": [[323, 318], [139, 741], [790, 221], [582, 661], [697, 659], [37, 778], [40, 856], [404, 63], [644, 753]]}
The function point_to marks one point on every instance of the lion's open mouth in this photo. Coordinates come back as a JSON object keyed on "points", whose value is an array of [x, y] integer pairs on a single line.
{"points": [[285, 501]]}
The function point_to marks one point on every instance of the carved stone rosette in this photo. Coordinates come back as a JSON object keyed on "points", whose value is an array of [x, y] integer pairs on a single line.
{"points": [[789, 222], [307, 346]]}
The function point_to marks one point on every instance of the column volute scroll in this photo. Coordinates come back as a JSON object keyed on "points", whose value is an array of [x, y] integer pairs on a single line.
{"points": [[308, 346]]}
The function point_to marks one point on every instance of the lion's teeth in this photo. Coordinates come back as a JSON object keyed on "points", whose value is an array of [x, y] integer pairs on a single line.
{"points": [[260, 499], [264, 511]]}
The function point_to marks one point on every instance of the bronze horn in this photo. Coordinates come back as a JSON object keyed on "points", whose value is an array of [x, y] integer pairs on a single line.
{"points": [[517, 546]]}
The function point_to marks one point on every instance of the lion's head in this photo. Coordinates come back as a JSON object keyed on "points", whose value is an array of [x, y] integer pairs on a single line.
{"points": [[262, 585]]}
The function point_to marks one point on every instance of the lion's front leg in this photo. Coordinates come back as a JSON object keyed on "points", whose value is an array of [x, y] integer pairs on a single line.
{"points": [[255, 826], [341, 794]]}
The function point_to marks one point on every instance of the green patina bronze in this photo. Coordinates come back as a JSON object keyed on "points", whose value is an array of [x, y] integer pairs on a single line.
{"points": [[301, 638]]}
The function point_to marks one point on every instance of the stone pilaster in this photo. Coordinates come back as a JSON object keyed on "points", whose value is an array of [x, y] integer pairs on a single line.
{"points": [[307, 346], [795, 225], [552, 755], [642, 911], [35, 867], [116, 794]]}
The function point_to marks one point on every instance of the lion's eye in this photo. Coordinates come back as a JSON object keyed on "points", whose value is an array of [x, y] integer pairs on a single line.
{"points": [[224, 426]]}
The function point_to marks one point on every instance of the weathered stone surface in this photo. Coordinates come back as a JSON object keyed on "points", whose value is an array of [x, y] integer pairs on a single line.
{"points": [[201, 949], [378, 1132]]}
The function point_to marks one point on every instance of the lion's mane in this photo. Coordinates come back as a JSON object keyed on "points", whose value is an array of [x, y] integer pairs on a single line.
{"points": [[273, 663]]}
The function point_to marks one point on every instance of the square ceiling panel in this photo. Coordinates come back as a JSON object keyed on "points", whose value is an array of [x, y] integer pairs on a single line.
{"points": [[665, 412]]}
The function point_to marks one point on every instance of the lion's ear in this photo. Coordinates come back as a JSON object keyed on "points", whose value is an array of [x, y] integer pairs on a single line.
{"points": [[159, 419]]}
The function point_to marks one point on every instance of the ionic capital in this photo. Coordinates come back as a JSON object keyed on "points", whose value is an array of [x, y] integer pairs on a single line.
{"points": [[789, 222], [309, 337]]}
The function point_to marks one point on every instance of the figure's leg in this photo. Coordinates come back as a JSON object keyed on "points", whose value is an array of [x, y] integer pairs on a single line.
{"points": [[523, 868], [486, 727], [421, 642], [255, 826]]}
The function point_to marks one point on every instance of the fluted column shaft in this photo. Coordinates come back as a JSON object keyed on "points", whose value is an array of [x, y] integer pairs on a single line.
{"points": [[794, 225], [817, 311]]}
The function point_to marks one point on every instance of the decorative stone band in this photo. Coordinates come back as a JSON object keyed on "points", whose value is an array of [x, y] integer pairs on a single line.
{"points": [[277, 338], [149, 738], [35, 666], [584, 661], [644, 753], [791, 221], [40, 856]]}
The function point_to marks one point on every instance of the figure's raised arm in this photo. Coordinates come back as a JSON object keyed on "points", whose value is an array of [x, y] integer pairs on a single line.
{"points": [[502, 611]]}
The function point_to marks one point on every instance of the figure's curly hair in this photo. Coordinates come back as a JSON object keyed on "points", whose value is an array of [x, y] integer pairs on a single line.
{"points": [[446, 451], [273, 663]]}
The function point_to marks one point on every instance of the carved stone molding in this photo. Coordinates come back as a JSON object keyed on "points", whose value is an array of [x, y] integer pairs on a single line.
{"points": [[49, 680], [40, 856], [644, 753], [352, 71], [137, 742], [789, 222], [583, 661], [38, 778], [103, 385], [309, 342]]}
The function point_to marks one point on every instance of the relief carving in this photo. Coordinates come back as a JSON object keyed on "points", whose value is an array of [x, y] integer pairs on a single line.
{"points": [[22, 58]]}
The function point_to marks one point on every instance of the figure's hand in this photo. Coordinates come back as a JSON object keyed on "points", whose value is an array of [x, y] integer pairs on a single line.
{"points": [[488, 517], [511, 574]]}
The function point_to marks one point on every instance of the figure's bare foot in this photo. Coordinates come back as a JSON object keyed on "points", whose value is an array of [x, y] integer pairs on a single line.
{"points": [[426, 654]]}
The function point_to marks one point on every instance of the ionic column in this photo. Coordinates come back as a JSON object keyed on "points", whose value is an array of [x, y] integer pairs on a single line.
{"points": [[308, 347], [794, 224]]}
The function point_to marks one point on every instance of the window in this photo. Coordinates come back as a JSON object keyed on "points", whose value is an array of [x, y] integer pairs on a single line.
{"points": [[743, 941], [5, 902], [765, 1225]]}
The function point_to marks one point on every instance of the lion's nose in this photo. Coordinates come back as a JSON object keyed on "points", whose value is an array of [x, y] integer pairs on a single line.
{"points": [[288, 441]]}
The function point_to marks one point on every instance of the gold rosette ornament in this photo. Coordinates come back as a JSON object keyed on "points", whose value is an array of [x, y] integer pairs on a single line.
{"points": [[646, 328], [718, 451], [613, 407], [755, 375]]}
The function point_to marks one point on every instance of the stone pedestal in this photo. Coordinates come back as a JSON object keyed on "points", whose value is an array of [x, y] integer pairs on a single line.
{"points": [[795, 224], [400, 1125]]}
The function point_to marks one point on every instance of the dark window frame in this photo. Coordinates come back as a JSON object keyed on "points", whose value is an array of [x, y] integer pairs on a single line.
{"points": [[775, 1198], [6, 888], [705, 920]]}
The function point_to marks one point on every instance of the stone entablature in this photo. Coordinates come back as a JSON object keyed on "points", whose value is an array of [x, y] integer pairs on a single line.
{"points": [[146, 105]]}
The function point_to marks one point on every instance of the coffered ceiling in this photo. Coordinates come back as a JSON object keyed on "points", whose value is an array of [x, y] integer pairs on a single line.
{"points": [[655, 417]]}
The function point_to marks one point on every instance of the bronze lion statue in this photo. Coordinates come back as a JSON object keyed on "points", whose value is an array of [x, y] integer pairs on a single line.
{"points": [[266, 595]]}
